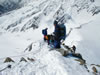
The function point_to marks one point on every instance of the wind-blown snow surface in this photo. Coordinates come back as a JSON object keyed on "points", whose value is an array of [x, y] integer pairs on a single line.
{"points": [[20, 31], [90, 44]]}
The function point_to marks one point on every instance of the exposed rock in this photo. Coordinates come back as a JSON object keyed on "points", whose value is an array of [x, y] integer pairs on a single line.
{"points": [[23, 59], [29, 48], [8, 59], [78, 55], [9, 66], [82, 62], [72, 49], [98, 65], [95, 71], [65, 53], [92, 0], [30, 59], [9, 5], [92, 64]]}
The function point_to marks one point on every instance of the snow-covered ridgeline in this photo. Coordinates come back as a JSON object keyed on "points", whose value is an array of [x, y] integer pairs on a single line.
{"points": [[41, 14], [9, 5], [21, 22]]}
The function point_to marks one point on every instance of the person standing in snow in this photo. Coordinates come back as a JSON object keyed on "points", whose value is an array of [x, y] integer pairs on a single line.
{"points": [[59, 33]]}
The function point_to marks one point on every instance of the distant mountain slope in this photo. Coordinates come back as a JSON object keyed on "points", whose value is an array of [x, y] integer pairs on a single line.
{"points": [[35, 9], [9, 5]]}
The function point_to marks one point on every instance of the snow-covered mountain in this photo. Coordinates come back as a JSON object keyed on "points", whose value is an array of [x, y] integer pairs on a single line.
{"points": [[20, 36], [9, 5]]}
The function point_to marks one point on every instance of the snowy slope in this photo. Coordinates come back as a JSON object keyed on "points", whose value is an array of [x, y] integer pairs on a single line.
{"points": [[90, 44], [20, 36]]}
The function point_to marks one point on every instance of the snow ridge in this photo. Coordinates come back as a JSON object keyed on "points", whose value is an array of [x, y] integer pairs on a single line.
{"points": [[25, 45]]}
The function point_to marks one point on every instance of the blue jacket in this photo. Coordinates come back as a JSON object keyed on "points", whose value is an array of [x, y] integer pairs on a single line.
{"points": [[44, 31]]}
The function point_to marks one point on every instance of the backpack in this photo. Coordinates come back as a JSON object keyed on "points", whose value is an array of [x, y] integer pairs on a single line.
{"points": [[62, 30], [44, 31]]}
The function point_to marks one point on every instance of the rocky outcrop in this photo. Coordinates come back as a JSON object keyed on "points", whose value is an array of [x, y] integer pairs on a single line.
{"points": [[8, 59], [23, 59]]}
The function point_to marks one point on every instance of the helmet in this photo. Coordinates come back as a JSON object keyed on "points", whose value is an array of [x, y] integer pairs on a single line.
{"points": [[55, 22]]}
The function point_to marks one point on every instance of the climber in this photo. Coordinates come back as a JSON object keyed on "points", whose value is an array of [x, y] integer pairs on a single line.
{"points": [[49, 38], [44, 32], [59, 33]]}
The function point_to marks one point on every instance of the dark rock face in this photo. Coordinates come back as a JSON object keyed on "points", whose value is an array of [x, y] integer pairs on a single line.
{"points": [[8, 59], [1, 9], [92, 0], [9, 5]]}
